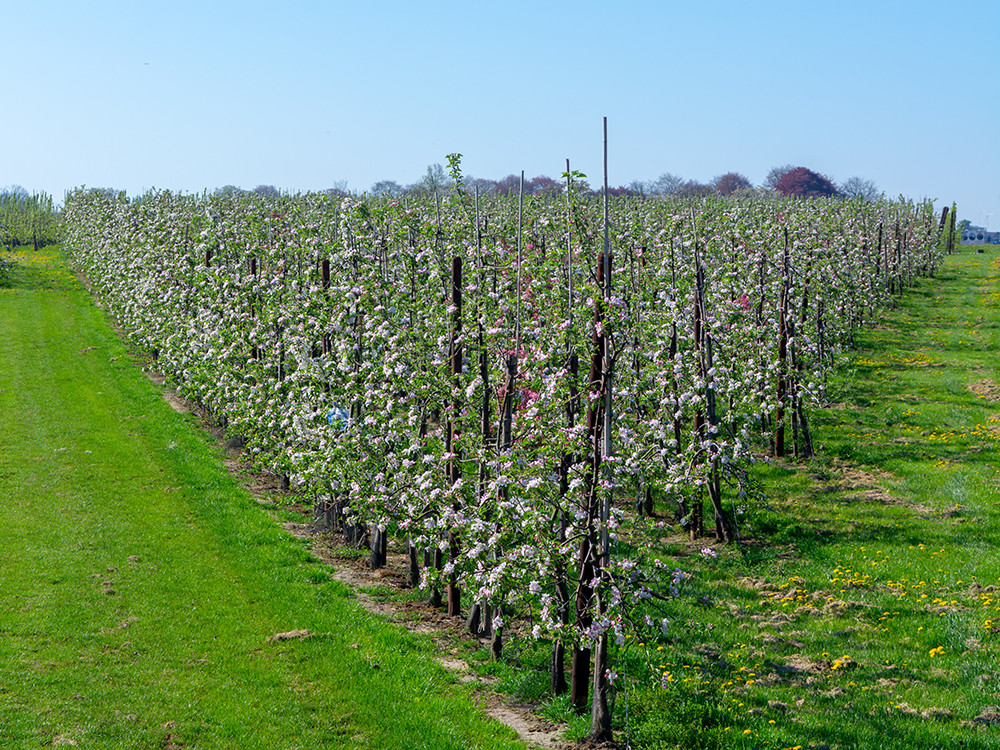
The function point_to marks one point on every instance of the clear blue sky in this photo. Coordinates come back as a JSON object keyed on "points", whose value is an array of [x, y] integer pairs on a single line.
{"points": [[303, 94]]}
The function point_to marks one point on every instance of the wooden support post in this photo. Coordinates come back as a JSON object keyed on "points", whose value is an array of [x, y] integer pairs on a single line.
{"points": [[451, 437]]}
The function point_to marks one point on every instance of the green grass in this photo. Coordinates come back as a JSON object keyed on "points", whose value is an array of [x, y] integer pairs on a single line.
{"points": [[139, 583], [865, 610]]}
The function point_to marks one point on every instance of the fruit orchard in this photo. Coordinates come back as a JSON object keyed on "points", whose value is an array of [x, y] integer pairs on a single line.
{"points": [[524, 393]]}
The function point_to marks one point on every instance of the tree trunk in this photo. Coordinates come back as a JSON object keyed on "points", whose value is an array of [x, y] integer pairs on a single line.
{"points": [[496, 644], [557, 668], [579, 687], [412, 565], [587, 560], [433, 557], [600, 711], [379, 548]]}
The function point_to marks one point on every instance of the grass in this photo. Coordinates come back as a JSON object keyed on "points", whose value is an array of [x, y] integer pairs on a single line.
{"points": [[865, 610], [139, 584]]}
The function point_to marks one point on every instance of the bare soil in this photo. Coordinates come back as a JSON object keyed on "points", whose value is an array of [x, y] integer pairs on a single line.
{"points": [[985, 389]]}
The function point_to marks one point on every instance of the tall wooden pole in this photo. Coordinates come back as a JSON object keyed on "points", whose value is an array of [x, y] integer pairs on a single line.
{"points": [[600, 710], [454, 465]]}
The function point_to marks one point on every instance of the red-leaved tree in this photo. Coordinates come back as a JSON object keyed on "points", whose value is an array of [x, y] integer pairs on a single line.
{"points": [[804, 183]]}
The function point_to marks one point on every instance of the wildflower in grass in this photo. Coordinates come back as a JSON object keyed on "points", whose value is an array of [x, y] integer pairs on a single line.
{"points": [[936, 651], [709, 552]]}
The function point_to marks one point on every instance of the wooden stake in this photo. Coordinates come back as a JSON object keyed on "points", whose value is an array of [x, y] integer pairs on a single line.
{"points": [[454, 466]]}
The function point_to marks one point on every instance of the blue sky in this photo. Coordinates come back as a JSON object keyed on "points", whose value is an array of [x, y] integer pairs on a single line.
{"points": [[305, 94]]}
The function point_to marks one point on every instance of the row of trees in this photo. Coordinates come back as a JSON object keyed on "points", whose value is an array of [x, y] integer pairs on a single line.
{"points": [[505, 386], [27, 218]]}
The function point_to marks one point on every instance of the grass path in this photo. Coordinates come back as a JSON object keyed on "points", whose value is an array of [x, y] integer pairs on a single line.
{"points": [[917, 516], [868, 612], [139, 584]]}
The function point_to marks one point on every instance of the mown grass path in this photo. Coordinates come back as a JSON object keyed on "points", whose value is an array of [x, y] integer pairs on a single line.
{"points": [[919, 411], [139, 584]]}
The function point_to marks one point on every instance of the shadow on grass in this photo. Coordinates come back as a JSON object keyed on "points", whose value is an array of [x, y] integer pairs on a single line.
{"points": [[885, 728], [32, 272]]}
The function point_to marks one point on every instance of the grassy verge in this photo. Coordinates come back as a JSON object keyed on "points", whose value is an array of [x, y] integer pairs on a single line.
{"points": [[139, 585], [865, 609]]}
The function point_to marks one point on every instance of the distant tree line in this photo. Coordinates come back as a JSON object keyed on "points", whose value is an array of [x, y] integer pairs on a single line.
{"points": [[788, 180]]}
